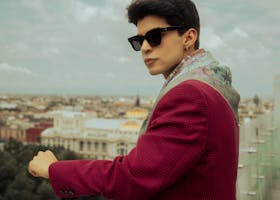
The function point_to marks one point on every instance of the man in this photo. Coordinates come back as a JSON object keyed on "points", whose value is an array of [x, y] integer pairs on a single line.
{"points": [[188, 148]]}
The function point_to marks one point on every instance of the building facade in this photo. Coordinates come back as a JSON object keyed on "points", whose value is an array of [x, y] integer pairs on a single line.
{"points": [[92, 137], [16, 132], [26, 132]]}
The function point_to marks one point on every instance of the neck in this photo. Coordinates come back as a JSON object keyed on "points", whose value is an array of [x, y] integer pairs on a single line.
{"points": [[166, 74], [191, 52]]}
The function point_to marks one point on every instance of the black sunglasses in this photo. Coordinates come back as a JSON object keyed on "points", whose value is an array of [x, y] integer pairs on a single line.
{"points": [[153, 37]]}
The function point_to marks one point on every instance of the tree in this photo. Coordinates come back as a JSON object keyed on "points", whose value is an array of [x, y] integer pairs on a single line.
{"points": [[13, 146], [16, 183], [8, 172], [22, 187], [45, 191]]}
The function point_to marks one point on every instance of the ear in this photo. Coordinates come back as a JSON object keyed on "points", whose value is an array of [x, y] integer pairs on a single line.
{"points": [[189, 38]]}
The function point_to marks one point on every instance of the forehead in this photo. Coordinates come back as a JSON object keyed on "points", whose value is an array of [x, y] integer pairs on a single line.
{"points": [[150, 22]]}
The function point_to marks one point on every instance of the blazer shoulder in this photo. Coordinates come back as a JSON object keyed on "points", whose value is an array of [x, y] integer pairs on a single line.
{"points": [[191, 92], [214, 97], [198, 85], [187, 88], [186, 95]]}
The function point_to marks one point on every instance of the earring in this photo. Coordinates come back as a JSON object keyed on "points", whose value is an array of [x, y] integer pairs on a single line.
{"points": [[186, 48]]}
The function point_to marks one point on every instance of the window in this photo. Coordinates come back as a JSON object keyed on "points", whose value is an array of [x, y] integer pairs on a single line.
{"points": [[104, 147], [96, 146], [81, 145], [88, 145]]}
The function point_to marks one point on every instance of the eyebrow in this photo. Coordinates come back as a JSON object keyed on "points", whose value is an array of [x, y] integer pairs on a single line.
{"points": [[149, 30]]}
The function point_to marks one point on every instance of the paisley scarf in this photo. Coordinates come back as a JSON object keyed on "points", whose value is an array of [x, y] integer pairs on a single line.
{"points": [[202, 66]]}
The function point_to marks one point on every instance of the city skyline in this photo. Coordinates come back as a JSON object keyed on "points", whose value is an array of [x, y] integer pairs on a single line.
{"points": [[80, 47]]}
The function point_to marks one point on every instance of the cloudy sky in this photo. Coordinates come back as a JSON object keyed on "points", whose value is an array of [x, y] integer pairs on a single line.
{"points": [[80, 46]]}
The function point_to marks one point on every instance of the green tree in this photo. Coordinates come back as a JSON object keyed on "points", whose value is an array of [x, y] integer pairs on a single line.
{"points": [[8, 170], [22, 186], [16, 183], [45, 191], [69, 155], [13, 146]]}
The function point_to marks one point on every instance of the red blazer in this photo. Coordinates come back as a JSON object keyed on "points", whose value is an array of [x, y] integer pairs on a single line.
{"points": [[188, 152]]}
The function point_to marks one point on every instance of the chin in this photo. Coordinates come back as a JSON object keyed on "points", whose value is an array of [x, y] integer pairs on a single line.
{"points": [[154, 73]]}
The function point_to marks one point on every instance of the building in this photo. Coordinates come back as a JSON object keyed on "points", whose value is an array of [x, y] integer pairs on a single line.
{"points": [[33, 135], [2, 145], [137, 113], [13, 131], [25, 132], [92, 137]]}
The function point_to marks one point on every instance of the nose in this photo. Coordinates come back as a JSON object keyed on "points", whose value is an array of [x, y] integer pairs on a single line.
{"points": [[145, 47]]}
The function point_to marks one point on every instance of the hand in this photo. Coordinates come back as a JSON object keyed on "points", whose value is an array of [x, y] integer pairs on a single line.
{"points": [[39, 166]]}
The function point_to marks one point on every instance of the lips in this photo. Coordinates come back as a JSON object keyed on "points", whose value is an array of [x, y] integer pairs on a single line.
{"points": [[149, 61]]}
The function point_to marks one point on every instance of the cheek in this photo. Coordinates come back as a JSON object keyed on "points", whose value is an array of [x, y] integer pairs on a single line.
{"points": [[173, 51], [173, 56]]}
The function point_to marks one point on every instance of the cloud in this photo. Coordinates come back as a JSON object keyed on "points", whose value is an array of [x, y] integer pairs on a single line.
{"points": [[123, 60], [84, 13], [212, 40], [39, 7], [50, 51], [238, 32], [4, 67], [109, 75]]}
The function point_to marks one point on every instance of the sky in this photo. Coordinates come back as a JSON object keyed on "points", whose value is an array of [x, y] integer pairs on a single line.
{"points": [[80, 46]]}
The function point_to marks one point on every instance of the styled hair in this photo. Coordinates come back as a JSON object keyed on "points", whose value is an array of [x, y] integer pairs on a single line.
{"points": [[175, 12]]}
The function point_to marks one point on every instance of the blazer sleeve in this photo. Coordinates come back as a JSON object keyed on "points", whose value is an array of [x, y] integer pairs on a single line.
{"points": [[173, 143]]}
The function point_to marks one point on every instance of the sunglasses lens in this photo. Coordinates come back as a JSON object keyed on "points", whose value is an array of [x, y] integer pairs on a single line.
{"points": [[154, 37], [137, 45], [136, 42]]}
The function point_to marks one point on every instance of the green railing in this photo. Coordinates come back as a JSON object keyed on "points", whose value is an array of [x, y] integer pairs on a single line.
{"points": [[259, 160]]}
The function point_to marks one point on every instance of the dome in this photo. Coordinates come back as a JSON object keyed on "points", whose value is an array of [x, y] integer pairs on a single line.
{"points": [[137, 113], [130, 124]]}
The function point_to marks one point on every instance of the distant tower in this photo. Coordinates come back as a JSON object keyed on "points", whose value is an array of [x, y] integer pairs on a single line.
{"points": [[277, 101], [256, 100], [137, 102]]}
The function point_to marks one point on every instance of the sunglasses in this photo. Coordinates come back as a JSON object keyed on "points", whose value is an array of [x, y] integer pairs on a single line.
{"points": [[153, 37]]}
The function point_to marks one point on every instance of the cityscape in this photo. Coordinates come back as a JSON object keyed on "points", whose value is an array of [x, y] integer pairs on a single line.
{"points": [[103, 127], [70, 82], [93, 127]]}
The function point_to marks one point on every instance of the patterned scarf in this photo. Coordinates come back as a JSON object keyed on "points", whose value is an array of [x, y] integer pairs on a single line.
{"points": [[201, 64]]}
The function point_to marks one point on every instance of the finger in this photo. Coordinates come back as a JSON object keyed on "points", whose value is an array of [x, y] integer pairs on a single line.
{"points": [[51, 155], [31, 171], [49, 152]]}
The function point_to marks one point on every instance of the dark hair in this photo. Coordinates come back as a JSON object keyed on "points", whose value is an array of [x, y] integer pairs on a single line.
{"points": [[175, 12]]}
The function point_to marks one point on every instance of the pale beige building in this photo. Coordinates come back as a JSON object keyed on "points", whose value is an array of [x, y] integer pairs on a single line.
{"points": [[92, 137]]}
